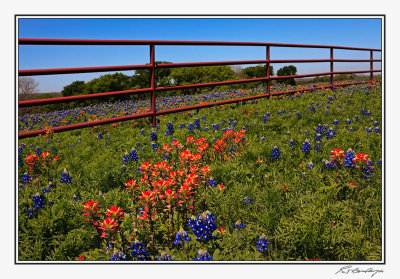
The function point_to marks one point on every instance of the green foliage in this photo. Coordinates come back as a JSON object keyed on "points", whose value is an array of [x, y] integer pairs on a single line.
{"points": [[319, 216], [287, 71], [258, 71]]}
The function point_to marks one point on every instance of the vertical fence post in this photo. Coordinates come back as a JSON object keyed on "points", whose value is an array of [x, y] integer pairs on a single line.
{"points": [[268, 73], [331, 66], [371, 65], [152, 85]]}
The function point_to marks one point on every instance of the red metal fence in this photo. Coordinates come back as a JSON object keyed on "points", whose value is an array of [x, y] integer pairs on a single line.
{"points": [[152, 67]]}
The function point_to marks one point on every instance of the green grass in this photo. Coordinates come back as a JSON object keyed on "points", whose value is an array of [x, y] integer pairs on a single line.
{"points": [[319, 217]]}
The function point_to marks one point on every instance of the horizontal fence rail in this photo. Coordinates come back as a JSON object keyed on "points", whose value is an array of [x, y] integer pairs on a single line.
{"points": [[153, 66]]}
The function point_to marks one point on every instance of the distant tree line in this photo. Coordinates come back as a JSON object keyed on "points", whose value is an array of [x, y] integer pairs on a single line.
{"points": [[168, 77]]}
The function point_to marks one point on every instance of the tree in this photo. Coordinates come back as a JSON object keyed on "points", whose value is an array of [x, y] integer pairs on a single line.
{"points": [[204, 74], [258, 71], [287, 71], [141, 78], [75, 88], [26, 87], [108, 83]]}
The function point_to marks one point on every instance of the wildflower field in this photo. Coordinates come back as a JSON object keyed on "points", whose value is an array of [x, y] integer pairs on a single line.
{"points": [[294, 178]]}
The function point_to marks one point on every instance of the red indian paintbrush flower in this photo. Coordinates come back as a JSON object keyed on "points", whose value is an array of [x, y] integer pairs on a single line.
{"points": [[114, 212], [337, 154], [31, 159], [131, 184], [90, 207], [361, 157]]}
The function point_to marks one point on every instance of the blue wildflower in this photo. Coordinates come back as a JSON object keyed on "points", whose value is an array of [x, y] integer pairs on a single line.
{"points": [[190, 128], [348, 159], [238, 225], [164, 257], [65, 177], [310, 165], [262, 243], [203, 256], [276, 153], [139, 250], [203, 226], [247, 200], [335, 122], [349, 121], [153, 136], [38, 201], [181, 235], [330, 133], [154, 146], [291, 143], [26, 178], [306, 146], [212, 182], [170, 129], [197, 124], [318, 136]]}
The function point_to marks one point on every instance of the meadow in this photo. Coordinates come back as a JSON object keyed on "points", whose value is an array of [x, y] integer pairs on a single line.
{"points": [[293, 178]]}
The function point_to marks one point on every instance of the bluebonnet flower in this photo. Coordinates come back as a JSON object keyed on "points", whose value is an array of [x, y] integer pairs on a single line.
{"points": [[320, 129], [99, 136], [26, 178], [197, 124], [170, 129], [190, 128], [45, 191], [203, 256], [139, 250], [212, 182], [329, 164], [164, 257], [368, 169], [351, 129], [247, 200], [132, 156], [51, 185], [379, 162], [238, 225], [123, 168], [330, 133], [158, 126], [280, 112], [318, 136], [276, 153], [38, 201], [368, 130], [262, 243], [154, 146], [203, 226], [30, 212], [65, 177], [349, 121], [265, 118], [118, 256], [375, 124], [182, 126], [348, 159], [376, 130], [153, 136], [318, 146], [106, 144], [291, 143], [142, 132], [38, 151], [298, 115], [181, 236], [339, 106], [310, 165], [310, 108], [306, 146], [206, 129], [366, 113], [335, 122]]}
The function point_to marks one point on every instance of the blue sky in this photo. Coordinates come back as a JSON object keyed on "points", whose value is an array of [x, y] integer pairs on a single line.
{"points": [[356, 32]]}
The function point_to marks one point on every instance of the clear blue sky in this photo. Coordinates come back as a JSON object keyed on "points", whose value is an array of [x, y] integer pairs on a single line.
{"points": [[356, 32]]}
